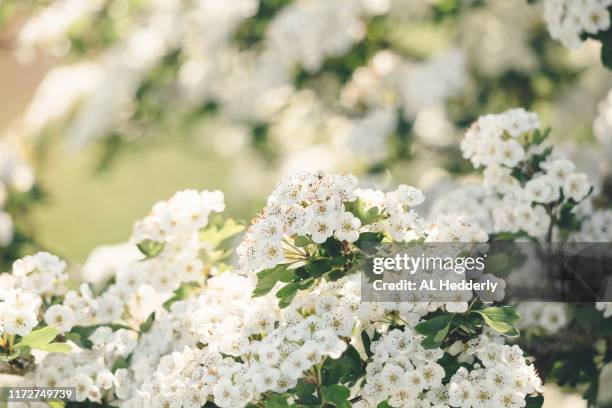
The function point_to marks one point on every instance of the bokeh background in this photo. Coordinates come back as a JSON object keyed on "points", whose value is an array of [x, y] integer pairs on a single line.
{"points": [[108, 106]]}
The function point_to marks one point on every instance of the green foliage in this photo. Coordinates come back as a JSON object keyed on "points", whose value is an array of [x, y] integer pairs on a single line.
{"points": [[501, 319], [435, 329], [150, 249], [42, 339], [336, 395], [347, 369], [366, 215], [147, 324], [216, 234], [267, 278]]}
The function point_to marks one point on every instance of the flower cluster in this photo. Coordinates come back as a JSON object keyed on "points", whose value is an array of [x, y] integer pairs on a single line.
{"points": [[405, 374], [529, 181], [567, 20], [34, 279], [210, 340], [18, 311], [170, 233], [89, 371], [314, 205], [494, 139]]}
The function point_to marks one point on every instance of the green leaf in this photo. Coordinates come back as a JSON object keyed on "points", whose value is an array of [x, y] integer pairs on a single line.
{"points": [[534, 402], [276, 401], [301, 241], [267, 278], [500, 319], [337, 395], [150, 249], [318, 267], [368, 238], [435, 330], [431, 327], [39, 337], [147, 324], [55, 348], [348, 368], [216, 235], [359, 210], [121, 362], [287, 290], [365, 339]]}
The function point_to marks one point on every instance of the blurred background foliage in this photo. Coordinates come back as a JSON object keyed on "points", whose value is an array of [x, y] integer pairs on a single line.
{"points": [[99, 168]]}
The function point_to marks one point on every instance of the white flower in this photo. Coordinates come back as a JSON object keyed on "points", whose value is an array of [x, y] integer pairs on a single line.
{"points": [[542, 190], [19, 321], [559, 170], [461, 393], [83, 385], [509, 398], [60, 316], [105, 379], [576, 186], [322, 228], [348, 228]]}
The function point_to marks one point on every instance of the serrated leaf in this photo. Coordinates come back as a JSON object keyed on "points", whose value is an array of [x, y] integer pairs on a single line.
{"points": [[267, 278]]}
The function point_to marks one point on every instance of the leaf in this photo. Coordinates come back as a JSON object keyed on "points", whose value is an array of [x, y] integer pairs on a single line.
{"points": [[55, 348], [147, 324], [39, 337], [287, 290], [365, 339], [432, 326], [359, 210], [348, 368], [337, 395], [150, 249], [534, 402], [276, 401], [267, 278], [121, 362], [301, 241], [435, 330], [318, 267], [501, 319], [368, 239], [215, 235]]}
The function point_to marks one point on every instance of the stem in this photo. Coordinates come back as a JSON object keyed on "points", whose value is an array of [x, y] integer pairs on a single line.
{"points": [[11, 340]]}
